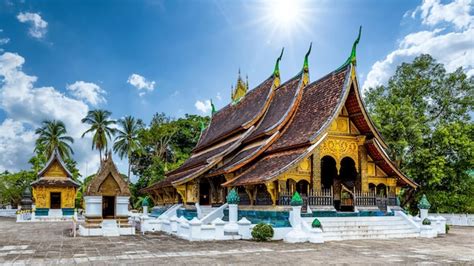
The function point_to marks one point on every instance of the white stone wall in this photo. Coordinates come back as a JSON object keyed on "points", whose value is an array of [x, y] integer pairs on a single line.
{"points": [[93, 205]]}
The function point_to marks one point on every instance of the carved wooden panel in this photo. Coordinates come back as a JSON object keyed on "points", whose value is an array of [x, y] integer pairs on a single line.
{"points": [[109, 187], [55, 170]]}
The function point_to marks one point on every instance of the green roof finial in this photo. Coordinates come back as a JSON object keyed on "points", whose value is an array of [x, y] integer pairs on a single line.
{"points": [[202, 126], [276, 72], [233, 197], [213, 109], [352, 58], [424, 203], [354, 47], [305, 65], [296, 200]]}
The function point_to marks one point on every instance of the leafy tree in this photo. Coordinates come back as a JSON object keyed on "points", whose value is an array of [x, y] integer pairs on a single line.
{"points": [[52, 135], [127, 140], [424, 114], [12, 186], [166, 144], [101, 128]]}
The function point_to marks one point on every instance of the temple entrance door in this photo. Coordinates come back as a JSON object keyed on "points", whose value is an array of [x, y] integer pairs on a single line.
{"points": [[55, 200], [330, 179], [108, 206], [204, 192], [348, 177]]}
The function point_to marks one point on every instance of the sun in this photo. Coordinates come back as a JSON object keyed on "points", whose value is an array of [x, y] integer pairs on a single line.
{"points": [[286, 16]]}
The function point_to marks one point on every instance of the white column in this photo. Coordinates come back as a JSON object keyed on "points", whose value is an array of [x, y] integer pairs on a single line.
{"points": [[219, 224], [195, 227], [296, 235], [232, 228]]}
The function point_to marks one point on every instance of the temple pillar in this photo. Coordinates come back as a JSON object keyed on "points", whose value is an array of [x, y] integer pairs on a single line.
{"points": [[271, 188], [316, 170], [250, 192], [364, 181]]}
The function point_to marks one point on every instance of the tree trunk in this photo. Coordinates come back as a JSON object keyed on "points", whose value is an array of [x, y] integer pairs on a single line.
{"points": [[128, 176], [100, 155]]}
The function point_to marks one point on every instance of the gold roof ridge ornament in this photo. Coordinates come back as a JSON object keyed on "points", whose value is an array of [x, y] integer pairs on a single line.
{"points": [[240, 90]]}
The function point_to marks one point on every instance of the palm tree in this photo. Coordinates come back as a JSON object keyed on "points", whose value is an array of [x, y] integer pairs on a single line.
{"points": [[127, 140], [100, 128], [52, 135]]}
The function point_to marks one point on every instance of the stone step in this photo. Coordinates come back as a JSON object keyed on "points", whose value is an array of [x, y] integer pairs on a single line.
{"points": [[372, 227], [354, 224], [360, 218], [110, 228], [378, 236], [370, 232]]}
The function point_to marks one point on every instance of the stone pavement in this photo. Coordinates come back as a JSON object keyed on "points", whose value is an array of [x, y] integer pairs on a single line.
{"points": [[50, 243]]}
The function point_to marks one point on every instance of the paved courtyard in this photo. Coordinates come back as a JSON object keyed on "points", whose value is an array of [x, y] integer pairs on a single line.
{"points": [[50, 243]]}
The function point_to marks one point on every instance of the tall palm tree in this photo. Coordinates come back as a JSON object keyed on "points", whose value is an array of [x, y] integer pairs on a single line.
{"points": [[101, 128], [127, 140], [52, 135]]}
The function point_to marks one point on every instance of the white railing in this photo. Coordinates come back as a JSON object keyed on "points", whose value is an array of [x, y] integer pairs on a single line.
{"points": [[217, 213], [171, 211]]}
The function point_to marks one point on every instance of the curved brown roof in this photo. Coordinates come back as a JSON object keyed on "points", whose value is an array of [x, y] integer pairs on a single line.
{"points": [[284, 99], [239, 116], [319, 104]]}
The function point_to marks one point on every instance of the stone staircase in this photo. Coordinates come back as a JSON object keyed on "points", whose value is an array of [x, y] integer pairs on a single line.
{"points": [[110, 228], [206, 210], [376, 227]]}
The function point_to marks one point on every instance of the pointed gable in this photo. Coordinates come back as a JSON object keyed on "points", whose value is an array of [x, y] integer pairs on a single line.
{"points": [[55, 173], [108, 181]]}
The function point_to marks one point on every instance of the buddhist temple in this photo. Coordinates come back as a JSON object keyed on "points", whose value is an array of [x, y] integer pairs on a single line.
{"points": [[54, 192], [106, 200], [315, 138]]}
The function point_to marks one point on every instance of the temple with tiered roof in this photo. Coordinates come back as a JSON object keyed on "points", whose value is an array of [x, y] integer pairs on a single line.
{"points": [[315, 138]]}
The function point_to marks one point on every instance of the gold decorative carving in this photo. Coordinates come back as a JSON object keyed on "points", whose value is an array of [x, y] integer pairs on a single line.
{"points": [[42, 196], [340, 147], [181, 189], [109, 187], [370, 169], [55, 170], [272, 191], [304, 165], [340, 125]]}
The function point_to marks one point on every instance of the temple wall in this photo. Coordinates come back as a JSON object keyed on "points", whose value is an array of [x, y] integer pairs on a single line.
{"points": [[55, 171], [42, 196]]}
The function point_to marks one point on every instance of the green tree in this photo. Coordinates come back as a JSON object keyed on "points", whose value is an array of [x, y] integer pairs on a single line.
{"points": [[423, 113], [166, 144], [51, 136], [127, 140], [12, 186], [101, 128]]}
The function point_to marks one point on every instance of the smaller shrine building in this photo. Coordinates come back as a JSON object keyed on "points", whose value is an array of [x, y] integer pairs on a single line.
{"points": [[54, 192]]}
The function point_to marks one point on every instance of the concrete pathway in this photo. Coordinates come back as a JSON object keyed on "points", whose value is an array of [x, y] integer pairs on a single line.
{"points": [[50, 243]]}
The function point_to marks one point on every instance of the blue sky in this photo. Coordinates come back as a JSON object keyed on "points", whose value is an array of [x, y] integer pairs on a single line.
{"points": [[143, 57]]}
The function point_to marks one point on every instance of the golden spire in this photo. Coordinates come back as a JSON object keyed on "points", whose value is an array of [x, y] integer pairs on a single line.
{"points": [[240, 89]]}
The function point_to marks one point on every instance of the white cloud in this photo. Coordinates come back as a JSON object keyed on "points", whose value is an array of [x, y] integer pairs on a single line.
{"points": [[15, 141], [218, 96], [38, 27], [456, 12], [141, 83], [203, 106], [88, 92], [451, 45], [4, 41], [26, 106]]}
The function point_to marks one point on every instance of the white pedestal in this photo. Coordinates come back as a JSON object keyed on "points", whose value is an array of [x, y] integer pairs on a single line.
{"points": [[195, 226], [244, 228], [232, 228], [121, 206], [423, 214], [93, 205], [219, 224]]}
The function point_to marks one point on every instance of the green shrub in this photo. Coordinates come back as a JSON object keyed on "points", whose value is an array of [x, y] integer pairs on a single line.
{"points": [[447, 228], [262, 232], [316, 224], [426, 221]]}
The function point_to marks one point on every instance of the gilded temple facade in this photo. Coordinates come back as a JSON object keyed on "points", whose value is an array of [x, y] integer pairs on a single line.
{"points": [[54, 191], [280, 137]]}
